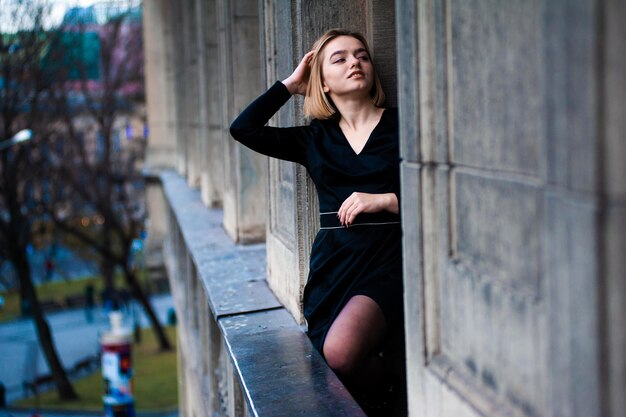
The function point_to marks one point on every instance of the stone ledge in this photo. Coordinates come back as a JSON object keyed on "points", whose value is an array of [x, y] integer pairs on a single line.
{"points": [[280, 372]]}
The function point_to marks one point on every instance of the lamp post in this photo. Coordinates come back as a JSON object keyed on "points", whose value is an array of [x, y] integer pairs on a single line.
{"points": [[21, 136]]}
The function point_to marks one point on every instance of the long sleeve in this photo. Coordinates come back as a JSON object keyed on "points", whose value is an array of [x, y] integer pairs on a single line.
{"points": [[284, 143]]}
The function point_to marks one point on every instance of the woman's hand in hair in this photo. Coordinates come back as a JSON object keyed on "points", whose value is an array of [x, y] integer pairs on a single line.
{"points": [[297, 82], [366, 203]]}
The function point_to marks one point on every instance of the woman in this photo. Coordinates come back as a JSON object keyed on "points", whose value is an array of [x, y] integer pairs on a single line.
{"points": [[353, 297]]}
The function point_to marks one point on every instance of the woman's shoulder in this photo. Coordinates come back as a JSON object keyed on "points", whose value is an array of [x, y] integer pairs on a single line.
{"points": [[391, 111], [323, 123], [390, 117]]}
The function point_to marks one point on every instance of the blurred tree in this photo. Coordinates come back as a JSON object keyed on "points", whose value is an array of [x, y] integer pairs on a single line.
{"points": [[23, 92], [97, 172]]}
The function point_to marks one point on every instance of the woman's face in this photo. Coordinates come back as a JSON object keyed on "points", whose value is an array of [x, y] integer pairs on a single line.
{"points": [[346, 68]]}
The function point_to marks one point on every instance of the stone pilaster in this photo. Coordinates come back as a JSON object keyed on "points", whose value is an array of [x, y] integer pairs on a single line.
{"points": [[160, 109], [159, 74], [175, 17], [193, 108], [240, 83], [210, 104]]}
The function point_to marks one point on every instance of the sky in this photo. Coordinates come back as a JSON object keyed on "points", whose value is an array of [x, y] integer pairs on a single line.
{"points": [[59, 7]]}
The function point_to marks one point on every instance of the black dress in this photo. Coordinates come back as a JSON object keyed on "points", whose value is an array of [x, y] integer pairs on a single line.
{"points": [[363, 259]]}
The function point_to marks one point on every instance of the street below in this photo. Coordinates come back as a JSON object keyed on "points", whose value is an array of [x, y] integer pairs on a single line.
{"points": [[76, 334]]}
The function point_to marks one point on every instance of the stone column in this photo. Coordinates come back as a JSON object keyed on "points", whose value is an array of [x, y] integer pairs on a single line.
{"points": [[193, 108], [159, 72], [211, 136], [176, 23], [160, 109], [240, 83]]}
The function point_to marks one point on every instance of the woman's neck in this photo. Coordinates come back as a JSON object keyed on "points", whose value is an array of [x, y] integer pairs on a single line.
{"points": [[357, 112]]}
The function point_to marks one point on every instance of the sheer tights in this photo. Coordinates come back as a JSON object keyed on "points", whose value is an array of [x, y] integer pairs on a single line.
{"points": [[352, 345]]}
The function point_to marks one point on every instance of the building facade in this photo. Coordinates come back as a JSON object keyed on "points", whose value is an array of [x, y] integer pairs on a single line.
{"points": [[513, 141]]}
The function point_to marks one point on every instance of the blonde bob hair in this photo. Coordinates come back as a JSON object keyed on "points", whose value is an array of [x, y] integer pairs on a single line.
{"points": [[317, 104]]}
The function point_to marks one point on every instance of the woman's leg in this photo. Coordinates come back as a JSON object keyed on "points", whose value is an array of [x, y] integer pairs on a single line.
{"points": [[351, 345]]}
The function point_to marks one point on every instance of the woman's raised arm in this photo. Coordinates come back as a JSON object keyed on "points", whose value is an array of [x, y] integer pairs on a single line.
{"points": [[282, 143], [298, 81]]}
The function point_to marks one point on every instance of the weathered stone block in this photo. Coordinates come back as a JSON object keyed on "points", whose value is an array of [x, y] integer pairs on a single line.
{"points": [[613, 119], [413, 282], [319, 16], [614, 244], [572, 313], [408, 90], [571, 91], [497, 85], [497, 228], [283, 276]]}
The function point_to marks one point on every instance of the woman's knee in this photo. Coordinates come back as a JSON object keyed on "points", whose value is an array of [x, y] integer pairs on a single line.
{"points": [[341, 358]]}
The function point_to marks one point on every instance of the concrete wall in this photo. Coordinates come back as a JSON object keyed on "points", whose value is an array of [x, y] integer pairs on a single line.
{"points": [[513, 139], [510, 200]]}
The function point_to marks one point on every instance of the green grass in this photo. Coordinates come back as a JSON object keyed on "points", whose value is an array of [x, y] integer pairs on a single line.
{"points": [[57, 291], [11, 309], [155, 381]]}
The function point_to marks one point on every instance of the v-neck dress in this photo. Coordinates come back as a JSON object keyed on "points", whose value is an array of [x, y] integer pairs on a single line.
{"points": [[363, 259]]}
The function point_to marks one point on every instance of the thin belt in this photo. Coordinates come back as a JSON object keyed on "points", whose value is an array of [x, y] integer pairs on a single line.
{"points": [[329, 220]]}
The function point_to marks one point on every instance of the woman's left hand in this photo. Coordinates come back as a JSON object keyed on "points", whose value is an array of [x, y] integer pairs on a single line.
{"points": [[366, 203]]}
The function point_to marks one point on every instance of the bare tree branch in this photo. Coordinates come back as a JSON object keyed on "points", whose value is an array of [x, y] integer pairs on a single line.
{"points": [[22, 96]]}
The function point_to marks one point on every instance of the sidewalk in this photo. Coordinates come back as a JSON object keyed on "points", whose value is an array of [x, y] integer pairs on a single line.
{"points": [[75, 336], [11, 412]]}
